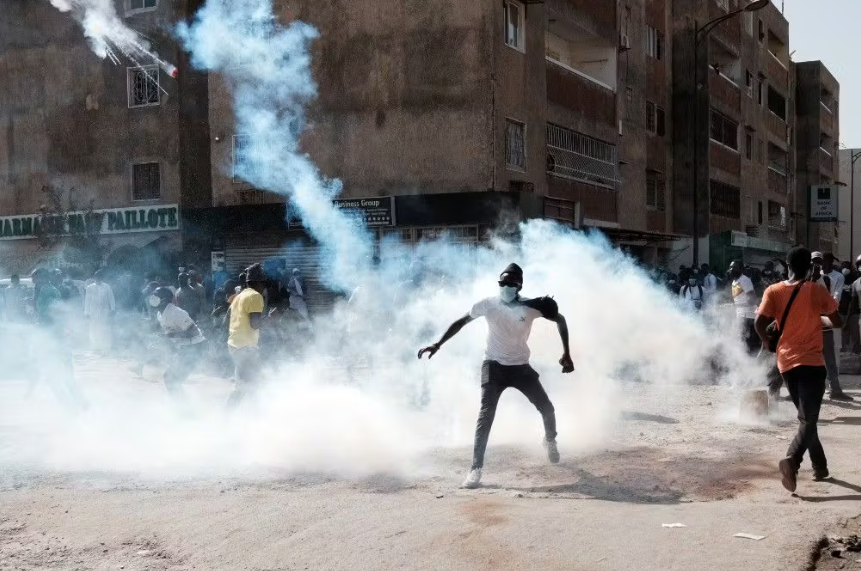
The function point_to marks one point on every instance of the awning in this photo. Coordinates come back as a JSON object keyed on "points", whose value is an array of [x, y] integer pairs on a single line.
{"points": [[639, 237]]}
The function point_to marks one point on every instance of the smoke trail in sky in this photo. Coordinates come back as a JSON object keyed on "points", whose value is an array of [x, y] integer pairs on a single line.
{"points": [[109, 36], [268, 67]]}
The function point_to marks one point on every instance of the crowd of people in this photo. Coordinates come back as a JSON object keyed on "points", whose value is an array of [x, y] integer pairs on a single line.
{"points": [[172, 323]]}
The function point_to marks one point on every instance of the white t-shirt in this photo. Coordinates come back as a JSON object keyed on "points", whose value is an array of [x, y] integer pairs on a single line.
{"points": [[175, 320], [743, 295], [710, 283], [508, 329]]}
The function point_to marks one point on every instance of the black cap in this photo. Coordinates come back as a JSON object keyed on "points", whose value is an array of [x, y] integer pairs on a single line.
{"points": [[512, 273], [255, 274]]}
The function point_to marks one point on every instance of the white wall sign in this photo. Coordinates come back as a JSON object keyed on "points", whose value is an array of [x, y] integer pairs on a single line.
{"points": [[155, 218], [822, 203]]}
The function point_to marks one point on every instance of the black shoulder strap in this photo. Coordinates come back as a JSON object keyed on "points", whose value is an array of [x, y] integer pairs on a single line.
{"points": [[789, 305]]}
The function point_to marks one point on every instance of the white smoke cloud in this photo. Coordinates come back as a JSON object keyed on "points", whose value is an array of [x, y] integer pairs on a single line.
{"points": [[356, 401]]}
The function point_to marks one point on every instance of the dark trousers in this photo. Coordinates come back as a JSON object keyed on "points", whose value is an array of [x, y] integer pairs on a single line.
{"points": [[751, 337], [807, 388], [495, 378]]}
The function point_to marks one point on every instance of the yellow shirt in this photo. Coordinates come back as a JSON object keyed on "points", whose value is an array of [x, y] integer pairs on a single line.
{"points": [[243, 305]]}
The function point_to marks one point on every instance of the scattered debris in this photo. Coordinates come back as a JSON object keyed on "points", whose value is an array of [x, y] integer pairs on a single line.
{"points": [[749, 536], [517, 495], [144, 552], [439, 496], [673, 525]]}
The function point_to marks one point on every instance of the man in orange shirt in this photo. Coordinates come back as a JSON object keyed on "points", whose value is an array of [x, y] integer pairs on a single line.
{"points": [[799, 357]]}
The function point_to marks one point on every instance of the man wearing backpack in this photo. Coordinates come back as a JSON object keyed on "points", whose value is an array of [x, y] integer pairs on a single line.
{"points": [[797, 307], [692, 293]]}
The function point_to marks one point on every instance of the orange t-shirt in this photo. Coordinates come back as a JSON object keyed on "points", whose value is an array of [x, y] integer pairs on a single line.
{"points": [[801, 342]]}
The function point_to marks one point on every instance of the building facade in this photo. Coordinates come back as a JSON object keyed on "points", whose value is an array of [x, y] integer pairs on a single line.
{"points": [[818, 94], [80, 134], [849, 208]]}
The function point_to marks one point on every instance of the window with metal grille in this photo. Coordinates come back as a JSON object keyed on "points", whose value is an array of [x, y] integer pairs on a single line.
{"points": [[135, 5], [725, 200], [146, 181], [724, 130], [514, 25], [654, 43], [776, 215], [656, 192], [580, 157], [515, 144], [243, 163], [144, 90]]}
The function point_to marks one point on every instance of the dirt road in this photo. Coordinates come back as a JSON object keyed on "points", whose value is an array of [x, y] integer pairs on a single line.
{"points": [[671, 460]]}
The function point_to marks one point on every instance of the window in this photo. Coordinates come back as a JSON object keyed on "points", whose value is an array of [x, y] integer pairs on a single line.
{"points": [[630, 112], [650, 117], [654, 43], [243, 163], [661, 117], [748, 83], [760, 150], [146, 181], [144, 90], [140, 5], [760, 91], [776, 103], [725, 200], [580, 157], [515, 144], [514, 27], [776, 215], [724, 130], [656, 189], [761, 31], [748, 146]]}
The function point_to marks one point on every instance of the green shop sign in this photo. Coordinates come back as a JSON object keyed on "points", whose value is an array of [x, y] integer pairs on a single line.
{"points": [[157, 218]]}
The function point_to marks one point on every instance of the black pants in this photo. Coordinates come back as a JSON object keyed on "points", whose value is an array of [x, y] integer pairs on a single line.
{"points": [[495, 378], [751, 337], [806, 388]]}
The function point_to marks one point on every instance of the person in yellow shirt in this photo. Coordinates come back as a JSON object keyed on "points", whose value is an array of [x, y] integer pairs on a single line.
{"points": [[246, 317]]}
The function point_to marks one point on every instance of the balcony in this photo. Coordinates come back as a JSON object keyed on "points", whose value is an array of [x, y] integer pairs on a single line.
{"points": [[776, 126], [826, 119], [826, 161], [777, 73], [777, 181], [724, 90], [576, 93], [724, 158]]}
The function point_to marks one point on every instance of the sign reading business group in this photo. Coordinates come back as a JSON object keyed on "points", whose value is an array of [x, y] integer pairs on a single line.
{"points": [[374, 212], [823, 204], [156, 218]]}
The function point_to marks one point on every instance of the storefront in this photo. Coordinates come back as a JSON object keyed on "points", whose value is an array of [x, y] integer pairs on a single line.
{"points": [[755, 252], [129, 239]]}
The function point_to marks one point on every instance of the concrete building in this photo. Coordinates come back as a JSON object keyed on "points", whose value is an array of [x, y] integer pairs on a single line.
{"points": [[744, 96], [471, 117], [818, 119], [126, 144], [849, 208]]}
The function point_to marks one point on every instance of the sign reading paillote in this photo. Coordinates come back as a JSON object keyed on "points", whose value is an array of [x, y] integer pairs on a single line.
{"points": [[160, 218], [822, 203]]}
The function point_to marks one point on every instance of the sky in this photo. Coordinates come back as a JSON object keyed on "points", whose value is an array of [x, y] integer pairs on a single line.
{"points": [[824, 30]]}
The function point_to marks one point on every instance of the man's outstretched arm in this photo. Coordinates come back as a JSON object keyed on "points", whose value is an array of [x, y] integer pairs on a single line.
{"points": [[452, 330], [566, 361]]}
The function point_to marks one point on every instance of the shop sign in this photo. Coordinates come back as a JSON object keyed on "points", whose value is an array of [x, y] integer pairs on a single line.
{"points": [[374, 212], [823, 203], [156, 218]]}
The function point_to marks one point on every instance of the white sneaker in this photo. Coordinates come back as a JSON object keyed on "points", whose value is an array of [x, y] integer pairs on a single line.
{"points": [[552, 451], [473, 480]]}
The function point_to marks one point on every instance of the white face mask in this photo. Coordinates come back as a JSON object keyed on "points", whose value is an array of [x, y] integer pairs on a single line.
{"points": [[507, 293], [154, 300]]}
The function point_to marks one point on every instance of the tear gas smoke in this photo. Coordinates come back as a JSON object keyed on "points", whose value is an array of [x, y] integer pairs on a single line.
{"points": [[108, 35], [354, 400]]}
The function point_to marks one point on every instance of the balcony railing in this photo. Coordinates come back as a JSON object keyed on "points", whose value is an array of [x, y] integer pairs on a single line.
{"points": [[777, 181], [576, 93]]}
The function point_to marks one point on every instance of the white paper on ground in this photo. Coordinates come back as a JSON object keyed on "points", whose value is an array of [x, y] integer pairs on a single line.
{"points": [[673, 525], [749, 536]]}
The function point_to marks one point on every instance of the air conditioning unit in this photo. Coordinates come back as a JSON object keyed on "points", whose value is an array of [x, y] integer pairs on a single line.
{"points": [[624, 42]]}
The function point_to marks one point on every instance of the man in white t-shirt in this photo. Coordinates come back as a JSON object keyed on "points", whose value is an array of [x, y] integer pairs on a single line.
{"points": [[824, 264], [709, 281], [744, 298], [185, 336], [509, 321]]}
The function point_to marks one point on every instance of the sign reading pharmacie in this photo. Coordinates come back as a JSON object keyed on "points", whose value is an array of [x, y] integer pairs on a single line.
{"points": [[822, 203], [156, 218], [374, 212]]}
